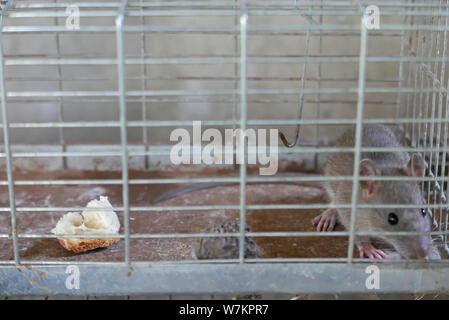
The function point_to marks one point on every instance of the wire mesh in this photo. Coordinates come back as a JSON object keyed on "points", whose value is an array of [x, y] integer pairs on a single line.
{"points": [[416, 98]]}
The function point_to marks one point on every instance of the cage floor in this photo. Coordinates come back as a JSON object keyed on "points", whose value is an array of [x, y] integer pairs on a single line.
{"points": [[168, 221]]}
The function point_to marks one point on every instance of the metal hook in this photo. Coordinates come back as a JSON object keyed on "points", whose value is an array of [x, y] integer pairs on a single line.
{"points": [[285, 141], [301, 99]]}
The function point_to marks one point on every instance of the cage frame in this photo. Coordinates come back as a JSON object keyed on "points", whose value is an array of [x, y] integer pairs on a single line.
{"points": [[299, 275]]}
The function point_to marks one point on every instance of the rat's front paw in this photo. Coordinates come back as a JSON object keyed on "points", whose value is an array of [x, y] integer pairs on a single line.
{"points": [[368, 251], [326, 221]]}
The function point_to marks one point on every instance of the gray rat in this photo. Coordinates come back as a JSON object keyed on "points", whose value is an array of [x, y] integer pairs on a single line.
{"points": [[378, 192]]}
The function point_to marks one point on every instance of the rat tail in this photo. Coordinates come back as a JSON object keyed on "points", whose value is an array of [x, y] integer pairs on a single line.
{"points": [[186, 189]]}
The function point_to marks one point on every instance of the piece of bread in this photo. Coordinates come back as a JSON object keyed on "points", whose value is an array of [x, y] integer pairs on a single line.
{"points": [[88, 222]]}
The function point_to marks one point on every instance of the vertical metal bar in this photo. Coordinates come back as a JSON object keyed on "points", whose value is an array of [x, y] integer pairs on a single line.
{"points": [[425, 105], [406, 108], [425, 79], [445, 137], [420, 95], [439, 116], [123, 124], [432, 123], [144, 87], [236, 85], [445, 245], [418, 70], [318, 85], [60, 99], [427, 97], [409, 77], [8, 156], [401, 70], [243, 118], [358, 138]]}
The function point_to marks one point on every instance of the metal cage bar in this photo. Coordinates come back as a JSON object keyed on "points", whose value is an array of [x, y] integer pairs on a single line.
{"points": [[123, 123], [243, 120], [420, 86], [7, 148], [246, 278], [358, 139]]}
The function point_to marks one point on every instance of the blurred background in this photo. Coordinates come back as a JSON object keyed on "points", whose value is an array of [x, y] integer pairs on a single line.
{"points": [[178, 39]]}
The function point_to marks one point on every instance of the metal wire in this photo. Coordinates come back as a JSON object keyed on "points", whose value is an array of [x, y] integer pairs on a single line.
{"points": [[418, 98], [301, 98], [123, 123], [12, 200], [243, 123], [358, 140]]}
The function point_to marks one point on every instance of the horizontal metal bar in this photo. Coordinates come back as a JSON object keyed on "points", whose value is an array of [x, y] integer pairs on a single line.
{"points": [[253, 29], [282, 150], [218, 60], [224, 235], [258, 261], [110, 263], [132, 12], [226, 180], [230, 4], [188, 123], [232, 207], [205, 99], [183, 235], [294, 278], [201, 92], [191, 30], [198, 78]]}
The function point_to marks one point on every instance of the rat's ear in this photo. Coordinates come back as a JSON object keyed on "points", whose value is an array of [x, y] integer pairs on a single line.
{"points": [[416, 166], [369, 188]]}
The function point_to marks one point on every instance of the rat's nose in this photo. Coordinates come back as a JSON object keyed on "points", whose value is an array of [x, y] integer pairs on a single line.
{"points": [[420, 249], [422, 256]]}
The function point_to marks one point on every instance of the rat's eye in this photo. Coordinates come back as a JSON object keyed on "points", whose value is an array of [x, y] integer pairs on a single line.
{"points": [[392, 218], [423, 212]]}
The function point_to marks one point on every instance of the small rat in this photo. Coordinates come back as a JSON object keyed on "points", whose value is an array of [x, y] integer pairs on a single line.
{"points": [[378, 192], [225, 247]]}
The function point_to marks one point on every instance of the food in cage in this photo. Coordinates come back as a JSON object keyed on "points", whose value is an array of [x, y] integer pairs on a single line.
{"points": [[88, 222], [225, 247]]}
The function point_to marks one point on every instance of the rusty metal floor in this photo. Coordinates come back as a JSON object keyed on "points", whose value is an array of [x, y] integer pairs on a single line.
{"points": [[165, 222]]}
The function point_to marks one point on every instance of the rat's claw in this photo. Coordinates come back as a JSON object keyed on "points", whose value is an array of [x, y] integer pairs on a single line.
{"points": [[319, 227], [316, 220], [326, 221], [332, 224], [367, 250]]}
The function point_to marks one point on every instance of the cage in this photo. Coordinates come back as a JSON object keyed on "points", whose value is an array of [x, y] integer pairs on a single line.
{"points": [[93, 90]]}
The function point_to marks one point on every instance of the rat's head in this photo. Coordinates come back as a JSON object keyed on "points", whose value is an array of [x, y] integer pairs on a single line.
{"points": [[398, 219]]}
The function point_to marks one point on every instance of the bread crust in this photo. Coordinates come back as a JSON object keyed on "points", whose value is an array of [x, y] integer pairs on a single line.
{"points": [[83, 245], [90, 221]]}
